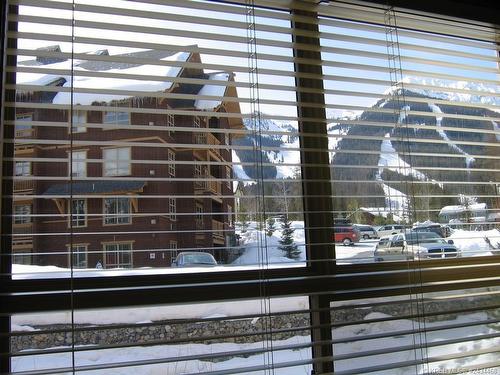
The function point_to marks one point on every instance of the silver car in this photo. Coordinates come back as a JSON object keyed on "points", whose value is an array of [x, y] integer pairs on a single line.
{"points": [[194, 259], [366, 231], [414, 245], [389, 229]]}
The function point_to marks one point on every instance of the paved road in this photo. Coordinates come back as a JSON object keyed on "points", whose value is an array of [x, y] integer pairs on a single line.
{"points": [[361, 252]]}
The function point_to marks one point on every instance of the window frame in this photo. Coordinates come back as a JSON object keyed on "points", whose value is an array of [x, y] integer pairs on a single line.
{"points": [[78, 114], [115, 120], [203, 291], [119, 253], [171, 166], [23, 169], [115, 218], [85, 246], [199, 215], [24, 217], [117, 169], [170, 123], [172, 209], [74, 218], [75, 163]]}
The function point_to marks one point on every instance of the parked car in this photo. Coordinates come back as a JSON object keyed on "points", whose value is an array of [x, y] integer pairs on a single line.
{"points": [[390, 229], [194, 259], [366, 231], [412, 245], [442, 230], [345, 235]]}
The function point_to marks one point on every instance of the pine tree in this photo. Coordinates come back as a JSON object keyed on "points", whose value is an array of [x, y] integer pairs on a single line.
{"points": [[271, 228], [286, 243]]}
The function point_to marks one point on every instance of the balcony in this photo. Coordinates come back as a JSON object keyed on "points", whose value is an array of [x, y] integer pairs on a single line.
{"points": [[22, 236], [25, 133], [206, 139], [23, 185], [210, 186], [218, 231]]}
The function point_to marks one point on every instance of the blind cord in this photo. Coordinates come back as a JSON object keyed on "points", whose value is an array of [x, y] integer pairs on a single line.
{"points": [[263, 256], [70, 201], [408, 196]]}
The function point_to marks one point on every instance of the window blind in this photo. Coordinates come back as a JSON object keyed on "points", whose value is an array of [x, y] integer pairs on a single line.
{"points": [[199, 180]]}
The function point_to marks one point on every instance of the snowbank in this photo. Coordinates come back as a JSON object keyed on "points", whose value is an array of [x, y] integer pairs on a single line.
{"points": [[472, 243]]}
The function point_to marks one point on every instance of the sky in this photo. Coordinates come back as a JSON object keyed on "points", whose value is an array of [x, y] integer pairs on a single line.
{"points": [[212, 32]]}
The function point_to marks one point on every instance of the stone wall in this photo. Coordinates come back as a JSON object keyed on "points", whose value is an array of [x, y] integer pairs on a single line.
{"points": [[222, 329]]}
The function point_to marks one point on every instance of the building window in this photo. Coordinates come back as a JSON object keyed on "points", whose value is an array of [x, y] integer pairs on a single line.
{"points": [[24, 130], [173, 250], [199, 216], [196, 122], [78, 164], [170, 122], [78, 213], [171, 165], [228, 177], [117, 161], [118, 255], [79, 119], [23, 168], [79, 256], [117, 211], [22, 214], [172, 208], [118, 118], [197, 170], [230, 216]]}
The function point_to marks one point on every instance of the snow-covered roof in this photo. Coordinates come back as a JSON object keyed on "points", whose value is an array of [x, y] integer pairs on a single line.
{"points": [[458, 209], [90, 83], [121, 83], [376, 211], [212, 90], [43, 79]]}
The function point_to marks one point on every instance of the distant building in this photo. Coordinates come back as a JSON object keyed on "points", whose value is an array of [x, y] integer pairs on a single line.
{"points": [[125, 211], [472, 213]]}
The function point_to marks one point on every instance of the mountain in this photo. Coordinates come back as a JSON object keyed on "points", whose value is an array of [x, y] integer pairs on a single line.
{"points": [[400, 170], [390, 171], [267, 145]]}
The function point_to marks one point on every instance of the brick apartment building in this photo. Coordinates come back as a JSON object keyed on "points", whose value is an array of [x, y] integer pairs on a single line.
{"points": [[141, 191]]}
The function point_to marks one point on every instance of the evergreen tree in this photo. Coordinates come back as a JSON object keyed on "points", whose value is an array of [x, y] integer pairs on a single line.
{"points": [[271, 228], [286, 243], [243, 218]]}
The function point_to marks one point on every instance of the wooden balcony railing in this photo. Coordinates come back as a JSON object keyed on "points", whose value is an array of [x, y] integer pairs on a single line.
{"points": [[22, 236], [23, 185], [208, 139], [217, 229], [210, 186], [25, 133], [214, 187]]}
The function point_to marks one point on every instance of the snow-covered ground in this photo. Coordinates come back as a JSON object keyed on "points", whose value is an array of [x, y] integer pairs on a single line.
{"points": [[471, 243], [468, 159], [261, 250], [356, 345]]}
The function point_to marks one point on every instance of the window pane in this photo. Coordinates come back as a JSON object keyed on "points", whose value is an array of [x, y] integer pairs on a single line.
{"points": [[176, 90], [412, 143]]}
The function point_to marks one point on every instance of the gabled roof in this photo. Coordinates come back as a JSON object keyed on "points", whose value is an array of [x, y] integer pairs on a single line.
{"points": [[125, 85]]}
